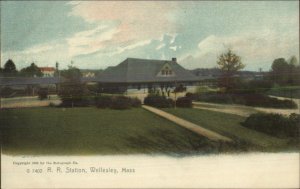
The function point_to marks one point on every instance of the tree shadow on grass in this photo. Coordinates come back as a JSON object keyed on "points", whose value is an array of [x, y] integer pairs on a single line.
{"points": [[165, 142]]}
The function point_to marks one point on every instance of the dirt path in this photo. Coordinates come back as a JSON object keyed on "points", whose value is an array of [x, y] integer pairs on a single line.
{"points": [[241, 110], [230, 109], [21, 102], [189, 125], [296, 100]]}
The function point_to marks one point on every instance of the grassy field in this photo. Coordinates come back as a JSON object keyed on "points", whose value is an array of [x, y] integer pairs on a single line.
{"points": [[85, 131], [288, 91], [229, 125]]}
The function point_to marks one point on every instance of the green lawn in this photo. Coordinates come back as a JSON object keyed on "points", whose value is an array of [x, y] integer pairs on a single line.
{"points": [[229, 125], [80, 131], [287, 91]]}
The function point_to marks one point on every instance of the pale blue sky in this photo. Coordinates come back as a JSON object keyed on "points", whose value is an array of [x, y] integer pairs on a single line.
{"points": [[100, 34]]}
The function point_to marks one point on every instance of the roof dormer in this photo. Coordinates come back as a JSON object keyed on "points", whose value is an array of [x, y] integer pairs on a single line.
{"points": [[166, 71]]}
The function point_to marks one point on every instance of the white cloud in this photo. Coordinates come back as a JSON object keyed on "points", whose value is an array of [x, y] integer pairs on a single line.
{"points": [[174, 48], [258, 45], [38, 49], [73, 2], [173, 38], [133, 23], [131, 46], [257, 49], [160, 46], [90, 41]]}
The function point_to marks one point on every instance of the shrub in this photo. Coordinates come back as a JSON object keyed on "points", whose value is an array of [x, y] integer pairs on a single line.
{"points": [[216, 97], [87, 101], [103, 101], [72, 101], [121, 102], [117, 102], [252, 87], [184, 102], [171, 102], [77, 101], [135, 102], [72, 94], [253, 99], [266, 101], [274, 124], [158, 101], [92, 88], [294, 130], [111, 88], [192, 96], [6, 92], [43, 93]]}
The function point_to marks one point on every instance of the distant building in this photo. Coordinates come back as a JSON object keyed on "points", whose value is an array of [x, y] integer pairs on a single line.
{"points": [[47, 71]]}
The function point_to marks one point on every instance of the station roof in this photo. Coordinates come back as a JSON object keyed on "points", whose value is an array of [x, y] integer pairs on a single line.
{"points": [[133, 70]]}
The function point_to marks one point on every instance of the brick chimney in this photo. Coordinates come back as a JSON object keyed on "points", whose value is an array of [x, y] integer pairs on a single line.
{"points": [[174, 59]]}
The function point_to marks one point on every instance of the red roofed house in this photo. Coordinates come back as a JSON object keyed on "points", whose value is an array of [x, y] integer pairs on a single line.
{"points": [[47, 71]]}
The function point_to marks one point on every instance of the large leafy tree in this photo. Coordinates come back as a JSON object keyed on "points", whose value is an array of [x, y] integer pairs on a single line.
{"points": [[280, 70], [31, 71], [294, 71], [229, 63], [284, 72], [10, 68], [71, 90], [279, 65], [72, 74], [294, 61]]}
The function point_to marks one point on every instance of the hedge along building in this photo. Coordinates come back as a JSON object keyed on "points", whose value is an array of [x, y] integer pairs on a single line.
{"points": [[146, 74]]}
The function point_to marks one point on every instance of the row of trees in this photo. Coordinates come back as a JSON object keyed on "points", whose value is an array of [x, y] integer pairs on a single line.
{"points": [[10, 70], [283, 72], [254, 92]]}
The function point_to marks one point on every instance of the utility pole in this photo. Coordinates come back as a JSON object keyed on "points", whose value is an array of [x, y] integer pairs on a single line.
{"points": [[0, 91], [175, 94], [58, 74]]}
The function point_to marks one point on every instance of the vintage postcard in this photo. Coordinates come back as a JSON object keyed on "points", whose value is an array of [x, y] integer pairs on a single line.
{"points": [[150, 94]]}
